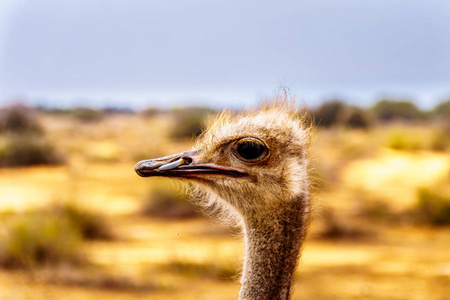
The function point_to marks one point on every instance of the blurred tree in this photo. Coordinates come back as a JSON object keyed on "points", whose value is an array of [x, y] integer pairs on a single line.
{"points": [[356, 117], [189, 122], [335, 112], [329, 113], [390, 110], [442, 110]]}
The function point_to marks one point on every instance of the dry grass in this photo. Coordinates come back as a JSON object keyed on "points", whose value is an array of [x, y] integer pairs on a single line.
{"points": [[49, 237], [413, 138], [37, 239], [209, 270]]}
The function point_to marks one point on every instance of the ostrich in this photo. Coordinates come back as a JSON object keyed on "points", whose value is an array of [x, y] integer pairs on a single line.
{"points": [[254, 166]]}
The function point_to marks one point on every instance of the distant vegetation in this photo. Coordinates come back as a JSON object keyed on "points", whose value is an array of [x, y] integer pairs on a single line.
{"points": [[338, 113], [22, 140], [190, 121], [85, 114], [388, 110]]}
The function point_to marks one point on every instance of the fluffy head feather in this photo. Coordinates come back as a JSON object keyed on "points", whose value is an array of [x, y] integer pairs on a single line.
{"points": [[273, 181]]}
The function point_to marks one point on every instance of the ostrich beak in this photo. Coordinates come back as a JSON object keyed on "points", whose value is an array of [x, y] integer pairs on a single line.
{"points": [[186, 164]]}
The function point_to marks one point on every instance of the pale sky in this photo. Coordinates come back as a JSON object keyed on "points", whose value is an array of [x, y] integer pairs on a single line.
{"points": [[172, 52]]}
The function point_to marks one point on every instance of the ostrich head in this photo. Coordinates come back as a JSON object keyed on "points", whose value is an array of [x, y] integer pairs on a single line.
{"points": [[253, 163], [254, 167]]}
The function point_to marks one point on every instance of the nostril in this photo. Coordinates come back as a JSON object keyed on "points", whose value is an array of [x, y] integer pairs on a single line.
{"points": [[187, 160]]}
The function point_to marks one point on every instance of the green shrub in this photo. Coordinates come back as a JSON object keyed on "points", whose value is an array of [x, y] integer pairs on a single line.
{"points": [[390, 110], [433, 206], [168, 203], [25, 150], [49, 237], [416, 138], [39, 239], [403, 139]]}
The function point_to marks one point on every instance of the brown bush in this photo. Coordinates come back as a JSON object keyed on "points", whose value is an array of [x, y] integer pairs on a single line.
{"points": [[166, 202], [19, 119], [26, 150]]}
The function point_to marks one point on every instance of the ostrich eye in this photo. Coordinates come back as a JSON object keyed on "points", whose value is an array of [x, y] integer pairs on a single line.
{"points": [[251, 149]]}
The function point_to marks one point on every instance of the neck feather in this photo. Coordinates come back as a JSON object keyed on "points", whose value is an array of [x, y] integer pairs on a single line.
{"points": [[273, 244]]}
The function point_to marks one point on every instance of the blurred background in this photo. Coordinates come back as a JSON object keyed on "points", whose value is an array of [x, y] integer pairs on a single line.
{"points": [[89, 88]]}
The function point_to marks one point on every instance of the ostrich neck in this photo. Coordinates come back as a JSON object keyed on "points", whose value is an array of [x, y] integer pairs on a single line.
{"points": [[273, 247]]}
